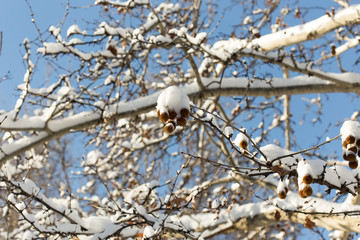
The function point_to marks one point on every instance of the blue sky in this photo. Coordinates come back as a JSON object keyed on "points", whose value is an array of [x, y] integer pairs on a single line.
{"points": [[16, 25]]}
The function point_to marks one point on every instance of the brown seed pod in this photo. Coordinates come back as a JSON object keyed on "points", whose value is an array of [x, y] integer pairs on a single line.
{"points": [[308, 191], [353, 165], [181, 121], [345, 157], [282, 194], [353, 149], [243, 144], [184, 112], [333, 49], [112, 49], [286, 189], [170, 127], [172, 114], [351, 156], [350, 139], [164, 116], [308, 179], [345, 143], [302, 194]]}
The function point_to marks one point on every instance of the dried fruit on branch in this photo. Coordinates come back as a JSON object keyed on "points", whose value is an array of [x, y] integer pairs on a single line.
{"points": [[307, 178], [181, 121], [309, 224], [171, 103], [353, 165], [185, 112], [241, 140], [170, 127]]}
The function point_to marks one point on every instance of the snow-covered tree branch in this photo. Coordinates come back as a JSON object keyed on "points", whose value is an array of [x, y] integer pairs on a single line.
{"points": [[185, 119]]}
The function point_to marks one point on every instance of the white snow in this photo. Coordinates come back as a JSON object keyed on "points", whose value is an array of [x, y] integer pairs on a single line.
{"points": [[302, 169], [140, 192], [96, 224], [228, 131], [350, 127], [300, 33], [94, 156], [74, 29], [339, 175], [55, 31], [281, 187], [272, 152], [173, 98], [241, 137], [148, 232]]}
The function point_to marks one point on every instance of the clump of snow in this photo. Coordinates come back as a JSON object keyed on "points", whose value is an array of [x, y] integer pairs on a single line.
{"points": [[55, 31], [173, 108], [143, 192], [173, 98], [303, 169], [341, 176], [148, 232], [317, 167], [282, 189], [212, 117], [275, 154], [228, 131], [247, 20], [336, 234], [109, 79], [94, 156], [74, 29], [241, 139], [305, 178], [235, 186], [350, 127], [97, 223], [9, 169]]}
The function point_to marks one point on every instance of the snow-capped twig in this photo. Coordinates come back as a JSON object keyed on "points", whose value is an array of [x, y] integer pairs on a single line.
{"points": [[306, 150]]}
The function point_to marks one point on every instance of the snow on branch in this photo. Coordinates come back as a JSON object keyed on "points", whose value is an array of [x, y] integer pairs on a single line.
{"points": [[226, 50], [337, 51], [296, 34], [258, 215], [55, 128], [308, 31], [128, 4], [287, 163], [99, 227], [118, 90]]}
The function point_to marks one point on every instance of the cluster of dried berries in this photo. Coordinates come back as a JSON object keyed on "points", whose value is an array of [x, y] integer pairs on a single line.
{"points": [[282, 190], [171, 119], [351, 147], [173, 108], [305, 178], [305, 189], [282, 194]]}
